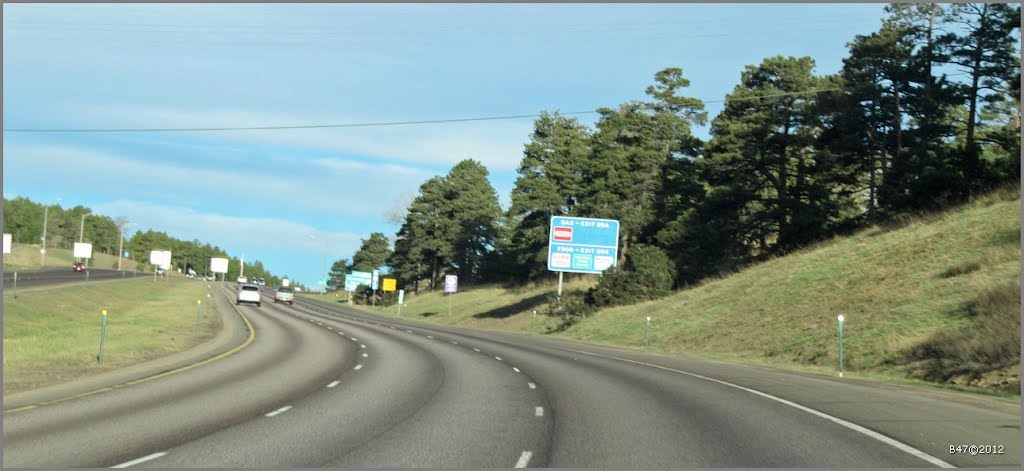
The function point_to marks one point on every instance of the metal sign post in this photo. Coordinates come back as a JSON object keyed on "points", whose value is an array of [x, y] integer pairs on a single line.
{"points": [[841, 319], [103, 334], [451, 285]]}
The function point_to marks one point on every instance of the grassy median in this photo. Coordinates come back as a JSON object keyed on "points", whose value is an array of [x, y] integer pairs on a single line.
{"points": [[52, 335]]}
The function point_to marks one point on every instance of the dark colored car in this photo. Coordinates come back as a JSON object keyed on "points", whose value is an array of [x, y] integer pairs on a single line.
{"points": [[78, 266]]}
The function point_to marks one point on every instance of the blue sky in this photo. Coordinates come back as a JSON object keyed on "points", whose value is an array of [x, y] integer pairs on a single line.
{"points": [[262, 193]]}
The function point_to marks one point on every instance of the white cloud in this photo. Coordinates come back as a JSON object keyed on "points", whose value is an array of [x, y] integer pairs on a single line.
{"points": [[285, 247], [498, 144], [332, 187]]}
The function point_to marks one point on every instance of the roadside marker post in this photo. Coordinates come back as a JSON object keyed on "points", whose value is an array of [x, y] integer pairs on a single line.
{"points": [[87, 275], [15, 289], [199, 313], [533, 323], [647, 332], [103, 334], [841, 319]]}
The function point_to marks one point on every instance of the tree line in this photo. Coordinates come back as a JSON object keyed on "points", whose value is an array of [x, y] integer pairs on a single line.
{"points": [[23, 219], [925, 113]]}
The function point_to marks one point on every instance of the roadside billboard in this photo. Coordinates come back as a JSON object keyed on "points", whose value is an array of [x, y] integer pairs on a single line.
{"points": [[219, 265], [582, 245], [82, 250], [356, 278]]}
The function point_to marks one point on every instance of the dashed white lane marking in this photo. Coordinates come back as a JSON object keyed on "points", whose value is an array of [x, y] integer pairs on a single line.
{"points": [[515, 369], [850, 425], [524, 459], [359, 367], [362, 346], [454, 342], [476, 350], [279, 411], [140, 460], [341, 333], [355, 339], [330, 328], [320, 323], [430, 337], [409, 331], [532, 386], [497, 358], [333, 384], [365, 355], [539, 412]]}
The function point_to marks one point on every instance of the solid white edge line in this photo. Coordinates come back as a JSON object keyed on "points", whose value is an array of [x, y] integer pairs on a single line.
{"points": [[850, 425], [532, 386], [140, 460], [333, 384], [279, 411], [358, 366], [539, 411], [524, 459]]}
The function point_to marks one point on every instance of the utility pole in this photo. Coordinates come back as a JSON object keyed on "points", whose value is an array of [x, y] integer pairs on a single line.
{"points": [[42, 241], [81, 229]]}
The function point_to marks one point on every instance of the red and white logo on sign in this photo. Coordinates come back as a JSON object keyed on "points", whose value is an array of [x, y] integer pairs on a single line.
{"points": [[563, 234]]}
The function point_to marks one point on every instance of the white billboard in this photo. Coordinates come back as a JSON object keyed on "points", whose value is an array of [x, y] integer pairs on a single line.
{"points": [[83, 250], [7, 243], [160, 258], [219, 265]]}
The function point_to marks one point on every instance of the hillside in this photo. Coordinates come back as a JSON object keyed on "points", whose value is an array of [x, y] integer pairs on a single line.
{"points": [[935, 298], [26, 257]]}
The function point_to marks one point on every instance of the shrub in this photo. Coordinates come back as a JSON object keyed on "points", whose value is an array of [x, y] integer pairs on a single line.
{"points": [[648, 274], [569, 310]]}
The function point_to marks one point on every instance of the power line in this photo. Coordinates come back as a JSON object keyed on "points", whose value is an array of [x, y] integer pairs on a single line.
{"points": [[378, 124]]}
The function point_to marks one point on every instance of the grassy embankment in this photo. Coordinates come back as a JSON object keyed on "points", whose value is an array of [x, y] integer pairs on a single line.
{"points": [[935, 298], [52, 336], [27, 257]]}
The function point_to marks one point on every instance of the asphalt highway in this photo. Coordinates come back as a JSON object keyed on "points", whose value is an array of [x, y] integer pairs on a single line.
{"points": [[323, 385]]}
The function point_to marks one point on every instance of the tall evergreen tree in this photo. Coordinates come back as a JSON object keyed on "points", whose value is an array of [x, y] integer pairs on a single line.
{"points": [[549, 184], [373, 253], [475, 212]]}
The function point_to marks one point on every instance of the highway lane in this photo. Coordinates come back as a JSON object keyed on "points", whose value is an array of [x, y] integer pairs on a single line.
{"points": [[53, 276], [405, 394], [676, 411]]}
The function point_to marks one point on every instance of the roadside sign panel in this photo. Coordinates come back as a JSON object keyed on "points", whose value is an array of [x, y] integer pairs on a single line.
{"points": [[219, 265], [401, 296], [156, 257], [451, 283], [390, 284], [7, 243], [83, 250], [356, 278], [582, 245], [374, 280], [166, 265]]}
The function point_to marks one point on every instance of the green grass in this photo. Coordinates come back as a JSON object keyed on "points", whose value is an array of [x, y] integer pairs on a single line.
{"points": [[52, 335], [27, 257], [949, 279]]}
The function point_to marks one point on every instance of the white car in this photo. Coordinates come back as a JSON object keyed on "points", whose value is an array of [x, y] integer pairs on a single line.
{"points": [[284, 294], [248, 293]]}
